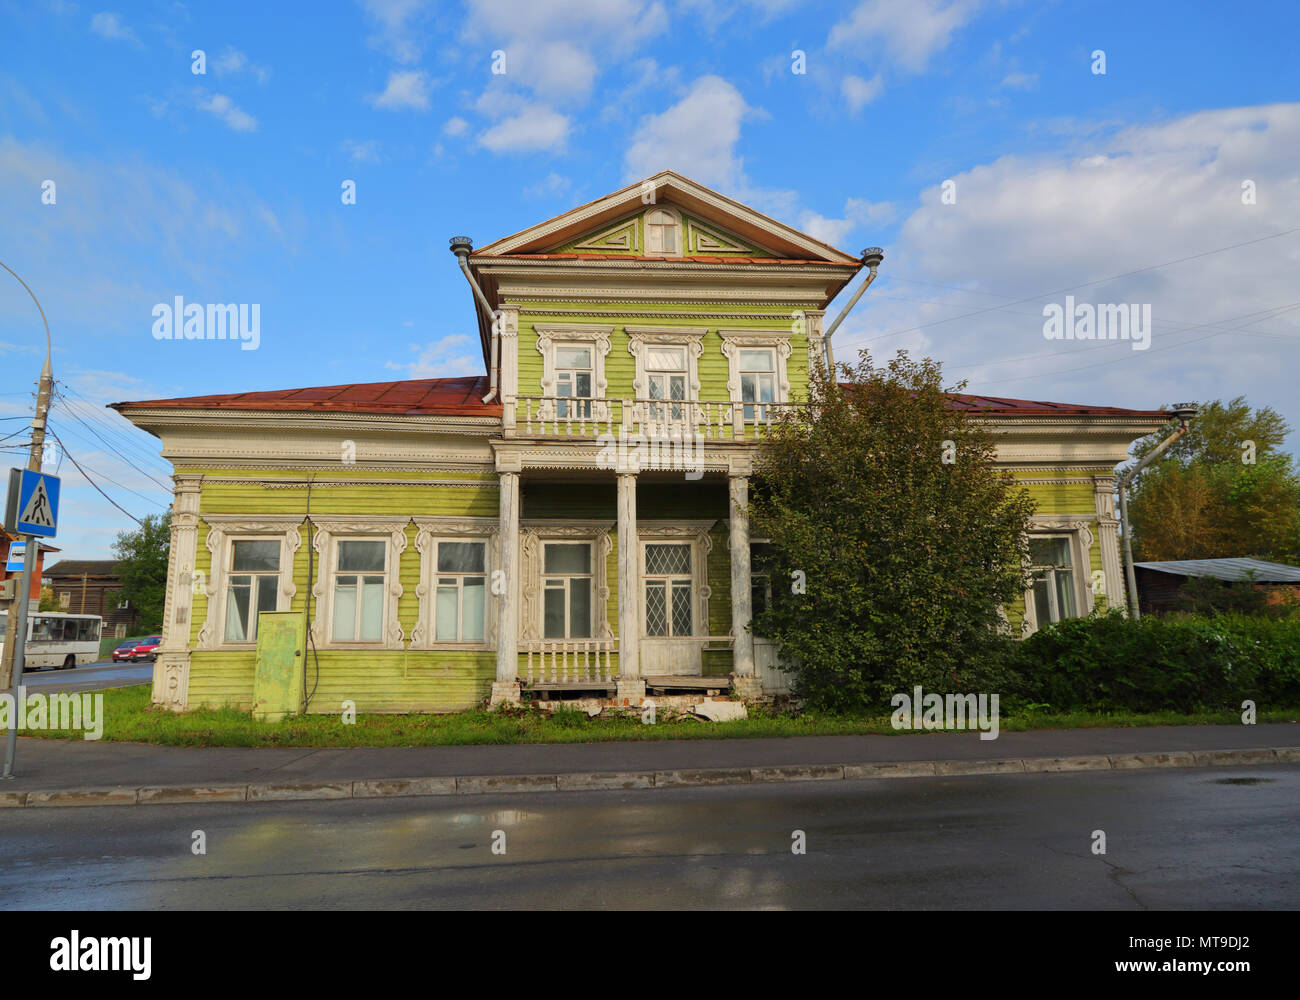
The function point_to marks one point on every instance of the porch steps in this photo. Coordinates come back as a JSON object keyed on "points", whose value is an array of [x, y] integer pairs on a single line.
{"points": [[656, 682]]}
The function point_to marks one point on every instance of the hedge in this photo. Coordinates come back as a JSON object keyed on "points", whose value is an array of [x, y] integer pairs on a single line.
{"points": [[1109, 662]]}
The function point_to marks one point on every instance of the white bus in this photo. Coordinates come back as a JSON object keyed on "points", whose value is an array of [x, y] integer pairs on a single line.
{"points": [[58, 640]]}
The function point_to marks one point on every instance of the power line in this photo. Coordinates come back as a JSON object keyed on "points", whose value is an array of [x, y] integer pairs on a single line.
{"points": [[121, 485], [65, 407], [88, 409], [93, 483]]}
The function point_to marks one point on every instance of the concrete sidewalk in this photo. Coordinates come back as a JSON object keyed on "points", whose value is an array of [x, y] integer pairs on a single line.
{"points": [[48, 767]]}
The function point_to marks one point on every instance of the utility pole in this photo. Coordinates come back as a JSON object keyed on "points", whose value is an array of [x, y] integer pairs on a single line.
{"points": [[11, 670]]}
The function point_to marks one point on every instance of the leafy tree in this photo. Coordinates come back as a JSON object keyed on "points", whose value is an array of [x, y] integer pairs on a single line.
{"points": [[142, 567], [889, 565], [48, 601], [1222, 490]]}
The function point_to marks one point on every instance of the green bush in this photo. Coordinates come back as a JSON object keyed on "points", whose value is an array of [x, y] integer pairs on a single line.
{"points": [[1109, 662]]}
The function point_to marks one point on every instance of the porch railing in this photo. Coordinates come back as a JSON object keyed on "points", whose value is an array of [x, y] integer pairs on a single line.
{"points": [[570, 661], [711, 420]]}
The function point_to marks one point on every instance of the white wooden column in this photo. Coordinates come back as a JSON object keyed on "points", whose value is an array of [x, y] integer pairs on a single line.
{"points": [[171, 668], [629, 620], [741, 596], [506, 687], [1108, 539]]}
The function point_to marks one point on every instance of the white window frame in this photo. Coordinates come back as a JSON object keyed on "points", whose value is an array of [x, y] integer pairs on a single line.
{"points": [[229, 561], [778, 342], [433, 530], [690, 339], [679, 232], [597, 339], [534, 535], [1079, 538], [698, 535], [669, 581], [331, 530], [590, 575], [222, 528]]}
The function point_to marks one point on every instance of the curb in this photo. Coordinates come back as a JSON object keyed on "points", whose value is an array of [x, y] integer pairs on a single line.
{"points": [[616, 780]]}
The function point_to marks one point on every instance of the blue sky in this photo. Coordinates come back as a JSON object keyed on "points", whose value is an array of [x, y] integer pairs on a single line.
{"points": [[225, 186]]}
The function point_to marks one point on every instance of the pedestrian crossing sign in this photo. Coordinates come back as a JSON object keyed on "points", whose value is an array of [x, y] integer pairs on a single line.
{"points": [[37, 506]]}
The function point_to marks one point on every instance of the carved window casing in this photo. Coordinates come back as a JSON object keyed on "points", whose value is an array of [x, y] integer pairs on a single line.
{"points": [[596, 339], [663, 232], [777, 342], [1078, 537], [433, 530], [533, 538], [641, 344], [223, 531], [329, 531], [697, 535]]}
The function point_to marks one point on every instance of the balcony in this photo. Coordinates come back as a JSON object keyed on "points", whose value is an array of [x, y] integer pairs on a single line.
{"points": [[557, 417]]}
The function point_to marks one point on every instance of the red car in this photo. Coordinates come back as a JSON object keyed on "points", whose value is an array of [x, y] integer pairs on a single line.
{"points": [[123, 652], [145, 649]]}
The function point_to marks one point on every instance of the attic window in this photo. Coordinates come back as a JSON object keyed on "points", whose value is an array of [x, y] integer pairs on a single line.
{"points": [[662, 232]]}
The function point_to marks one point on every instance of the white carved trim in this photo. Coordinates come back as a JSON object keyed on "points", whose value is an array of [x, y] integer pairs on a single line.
{"points": [[1078, 531], [552, 335], [327, 530], [778, 340], [699, 534], [691, 339], [534, 534], [225, 529], [431, 530]]}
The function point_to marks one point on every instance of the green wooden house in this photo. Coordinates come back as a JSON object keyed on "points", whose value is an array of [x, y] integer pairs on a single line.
{"points": [[573, 520]]}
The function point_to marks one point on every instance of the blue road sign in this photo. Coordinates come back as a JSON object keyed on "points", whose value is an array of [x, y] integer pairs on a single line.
{"points": [[38, 504], [17, 551]]}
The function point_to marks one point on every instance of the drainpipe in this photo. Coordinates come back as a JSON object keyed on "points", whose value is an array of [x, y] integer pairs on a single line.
{"points": [[1184, 412], [461, 247], [871, 258]]}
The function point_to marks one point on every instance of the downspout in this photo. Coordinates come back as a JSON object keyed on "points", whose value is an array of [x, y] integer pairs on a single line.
{"points": [[871, 258], [1184, 412], [461, 246]]}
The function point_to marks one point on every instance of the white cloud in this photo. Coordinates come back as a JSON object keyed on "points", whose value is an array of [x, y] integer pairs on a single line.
{"points": [[397, 30], [224, 108], [858, 213], [859, 92], [232, 62], [362, 152], [536, 128], [551, 186], [1019, 81], [407, 89], [697, 136], [454, 354], [1028, 226], [907, 32], [455, 126], [109, 25]]}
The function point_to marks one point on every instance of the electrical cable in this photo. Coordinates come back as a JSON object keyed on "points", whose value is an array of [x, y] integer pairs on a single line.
{"points": [[93, 483]]}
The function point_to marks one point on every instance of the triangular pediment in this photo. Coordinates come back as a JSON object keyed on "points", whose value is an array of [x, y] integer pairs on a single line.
{"points": [[711, 225]]}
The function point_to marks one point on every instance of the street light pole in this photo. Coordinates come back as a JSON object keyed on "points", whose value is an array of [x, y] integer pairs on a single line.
{"points": [[11, 670]]}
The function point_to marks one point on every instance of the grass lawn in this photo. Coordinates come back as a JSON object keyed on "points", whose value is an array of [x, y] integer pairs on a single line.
{"points": [[129, 717]]}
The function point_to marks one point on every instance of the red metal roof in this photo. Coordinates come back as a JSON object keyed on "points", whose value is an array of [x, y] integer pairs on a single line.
{"points": [[411, 397], [1036, 407], [688, 258]]}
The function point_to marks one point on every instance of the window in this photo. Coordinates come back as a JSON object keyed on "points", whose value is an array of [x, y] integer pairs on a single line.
{"points": [[566, 589], [757, 382], [87, 630], [359, 591], [1053, 586], [252, 586], [461, 605], [119, 631], [573, 379], [665, 379], [668, 585], [123, 605], [661, 232], [65, 598]]}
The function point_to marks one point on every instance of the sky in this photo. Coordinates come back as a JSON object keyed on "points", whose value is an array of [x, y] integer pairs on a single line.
{"points": [[1005, 154]]}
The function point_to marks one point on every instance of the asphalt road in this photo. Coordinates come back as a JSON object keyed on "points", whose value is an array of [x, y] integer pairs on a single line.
{"points": [[1221, 838], [91, 677]]}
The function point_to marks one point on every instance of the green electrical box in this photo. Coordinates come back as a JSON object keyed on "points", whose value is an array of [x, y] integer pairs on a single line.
{"points": [[281, 652]]}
